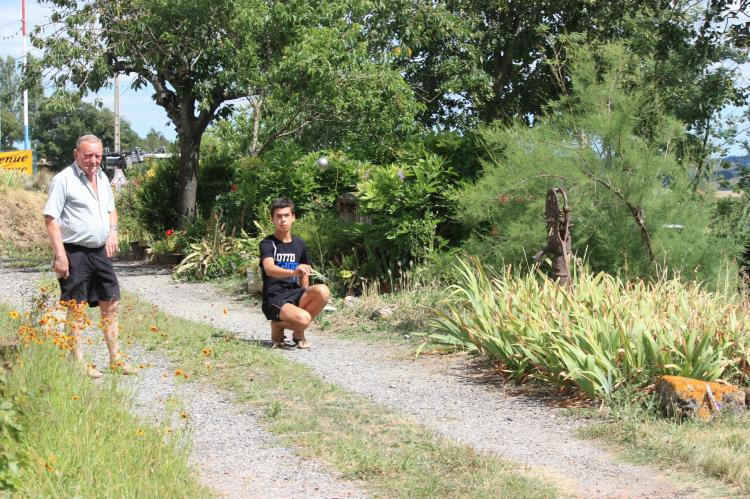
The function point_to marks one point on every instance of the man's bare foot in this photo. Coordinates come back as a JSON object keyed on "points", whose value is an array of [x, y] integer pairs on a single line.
{"points": [[122, 367], [92, 372], [277, 335], [301, 343]]}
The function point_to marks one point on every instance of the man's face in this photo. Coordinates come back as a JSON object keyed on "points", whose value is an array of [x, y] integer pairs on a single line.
{"points": [[283, 218], [88, 156]]}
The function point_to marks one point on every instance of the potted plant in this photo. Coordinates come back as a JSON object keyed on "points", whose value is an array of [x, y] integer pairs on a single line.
{"points": [[253, 277], [165, 250]]}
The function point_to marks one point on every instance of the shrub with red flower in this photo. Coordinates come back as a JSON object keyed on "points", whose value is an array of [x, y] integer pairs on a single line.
{"points": [[169, 243]]}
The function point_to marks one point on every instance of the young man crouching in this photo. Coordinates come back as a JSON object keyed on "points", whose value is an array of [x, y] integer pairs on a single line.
{"points": [[289, 301]]}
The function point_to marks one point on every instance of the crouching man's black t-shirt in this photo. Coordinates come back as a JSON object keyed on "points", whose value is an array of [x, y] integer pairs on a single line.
{"points": [[285, 255]]}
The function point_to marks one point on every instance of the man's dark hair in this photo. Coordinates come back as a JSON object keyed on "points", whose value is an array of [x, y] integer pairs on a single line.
{"points": [[281, 203]]}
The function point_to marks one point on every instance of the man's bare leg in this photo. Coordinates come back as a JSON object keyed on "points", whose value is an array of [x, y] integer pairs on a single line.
{"points": [[299, 318], [111, 328], [277, 332], [74, 328]]}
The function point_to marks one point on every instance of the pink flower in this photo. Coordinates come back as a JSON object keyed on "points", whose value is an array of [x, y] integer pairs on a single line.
{"points": [[233, 187], [169, 232]]}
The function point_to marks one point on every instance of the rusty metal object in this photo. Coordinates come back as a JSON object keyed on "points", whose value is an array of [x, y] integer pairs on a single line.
{"points": [[558, 235]]}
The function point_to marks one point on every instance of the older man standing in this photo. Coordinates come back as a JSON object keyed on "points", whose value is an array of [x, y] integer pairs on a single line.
{"points": [[81, 222]]}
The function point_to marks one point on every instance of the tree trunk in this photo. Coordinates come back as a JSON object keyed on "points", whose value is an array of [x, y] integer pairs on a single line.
{"points": [[189, 157], [257, 103]]}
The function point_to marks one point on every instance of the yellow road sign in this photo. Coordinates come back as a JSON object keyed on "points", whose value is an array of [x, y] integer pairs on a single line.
{"points": [[18, 161]]}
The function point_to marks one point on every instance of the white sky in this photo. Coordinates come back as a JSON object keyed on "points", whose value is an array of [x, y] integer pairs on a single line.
{"points": [[137, 107]]}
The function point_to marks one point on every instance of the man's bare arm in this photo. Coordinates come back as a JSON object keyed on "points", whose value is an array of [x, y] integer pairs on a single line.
{"points": [[273, 270], [111, 244], [60, 264]]}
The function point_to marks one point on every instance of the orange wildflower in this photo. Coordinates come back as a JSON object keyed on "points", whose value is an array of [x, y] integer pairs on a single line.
{"points": [[74, 397], [13, 314], [140, 432], [154, 329]]}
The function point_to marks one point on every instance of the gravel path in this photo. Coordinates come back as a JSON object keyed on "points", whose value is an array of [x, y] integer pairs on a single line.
{"points": [[439, 393], [230, 451]]}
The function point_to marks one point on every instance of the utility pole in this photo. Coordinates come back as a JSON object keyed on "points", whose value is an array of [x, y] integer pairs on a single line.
{"points": [[26, 141], [117, 112]]}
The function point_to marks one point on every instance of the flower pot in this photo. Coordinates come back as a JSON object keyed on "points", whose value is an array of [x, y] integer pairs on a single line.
{"points": [[254, 280], [138, 251], [168, 258]]}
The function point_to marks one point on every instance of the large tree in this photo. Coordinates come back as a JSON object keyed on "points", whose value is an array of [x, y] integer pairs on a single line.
{"points": [[199, 55], [477, 61], [57, 125]]}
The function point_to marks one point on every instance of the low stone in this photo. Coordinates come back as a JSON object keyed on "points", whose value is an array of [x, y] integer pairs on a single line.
{"points": [[351, 301], [693, 398], [254, 280], [382, 312]]}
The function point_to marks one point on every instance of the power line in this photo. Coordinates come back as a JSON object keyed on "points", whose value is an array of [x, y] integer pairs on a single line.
{"points": [[10, 23], [9, 37]]}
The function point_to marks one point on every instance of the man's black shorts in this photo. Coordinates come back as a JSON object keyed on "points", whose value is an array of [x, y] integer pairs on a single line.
{"points": [[92, 277], [272, 306]]}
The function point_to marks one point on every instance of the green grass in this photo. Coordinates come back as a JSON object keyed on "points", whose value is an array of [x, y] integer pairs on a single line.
{"points": [[394, 455], [719, 449], [81, 440], [413, 312]]}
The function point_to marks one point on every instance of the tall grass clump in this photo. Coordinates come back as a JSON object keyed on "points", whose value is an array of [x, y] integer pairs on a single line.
{"points": [[72, 438], [603, 334], [11, 180]]}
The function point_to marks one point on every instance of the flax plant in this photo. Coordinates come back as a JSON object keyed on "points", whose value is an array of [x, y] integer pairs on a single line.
{"points": [[602, 334]]}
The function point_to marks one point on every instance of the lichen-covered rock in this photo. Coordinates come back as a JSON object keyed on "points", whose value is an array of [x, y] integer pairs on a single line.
{"points": [[686, 397], [351, 301], [382, 313]]}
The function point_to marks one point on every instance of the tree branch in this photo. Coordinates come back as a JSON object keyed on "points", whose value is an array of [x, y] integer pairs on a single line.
{"points": [[636, 211]]}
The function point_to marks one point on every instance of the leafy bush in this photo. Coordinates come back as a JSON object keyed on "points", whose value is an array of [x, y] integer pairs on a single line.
{"points": [[611, 145], [218, 255], [156, 202], [603, 334], [328, 239], [404, 202], [215, 178], [286, 172], [157, 198]]}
